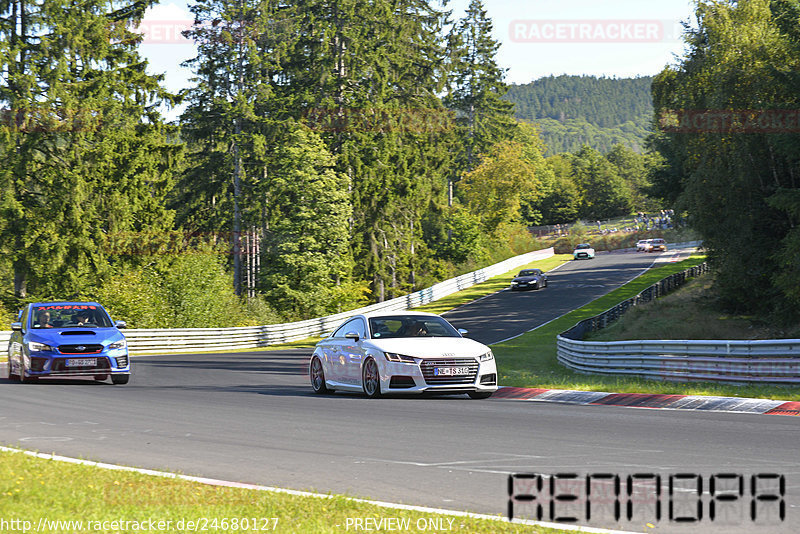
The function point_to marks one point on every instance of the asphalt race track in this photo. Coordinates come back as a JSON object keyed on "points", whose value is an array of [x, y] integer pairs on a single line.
{"points": [[252, 417], [576, 283]]}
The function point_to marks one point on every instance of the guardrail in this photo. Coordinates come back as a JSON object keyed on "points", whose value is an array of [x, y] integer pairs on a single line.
{"points": [[659, 289], [763, 361], [141, 341]]}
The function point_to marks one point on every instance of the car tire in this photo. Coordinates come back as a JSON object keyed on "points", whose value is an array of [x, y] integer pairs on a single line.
{"points": [[477, 395], [100, 378], [119, 380], [371, 379], [317, 376]]}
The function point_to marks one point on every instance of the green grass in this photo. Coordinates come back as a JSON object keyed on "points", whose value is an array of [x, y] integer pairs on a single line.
{"points": [[35, 488], [530, 360]]}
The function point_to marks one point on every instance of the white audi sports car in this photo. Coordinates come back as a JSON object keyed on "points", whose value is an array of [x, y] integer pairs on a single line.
{"points": [[402, 352]]}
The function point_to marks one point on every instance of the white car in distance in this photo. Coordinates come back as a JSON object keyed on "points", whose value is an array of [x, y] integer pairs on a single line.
{"points": [[402, 352], [584, 251]]}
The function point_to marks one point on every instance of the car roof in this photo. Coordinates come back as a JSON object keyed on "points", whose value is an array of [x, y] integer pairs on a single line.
{"points": [[390, 313]]}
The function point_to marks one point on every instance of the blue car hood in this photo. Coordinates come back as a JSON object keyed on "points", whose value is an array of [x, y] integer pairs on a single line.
{"points": [[63, 336]]}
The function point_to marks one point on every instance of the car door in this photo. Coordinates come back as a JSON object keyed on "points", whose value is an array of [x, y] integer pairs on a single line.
{"points": [[353, 351], [344, 354], [332, 350]]}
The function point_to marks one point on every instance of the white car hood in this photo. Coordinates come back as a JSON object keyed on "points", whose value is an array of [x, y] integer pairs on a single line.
{"points": [[431, 347]]}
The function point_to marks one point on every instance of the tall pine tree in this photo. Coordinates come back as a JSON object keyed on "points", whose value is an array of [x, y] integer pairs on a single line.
{"points": [[253, 164], [476, 87], [87, 159]]}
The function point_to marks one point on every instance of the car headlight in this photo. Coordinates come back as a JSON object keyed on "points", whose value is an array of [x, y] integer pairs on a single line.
{"points": [[486, 357], [121, 344], [400, 358], [33, 346]]}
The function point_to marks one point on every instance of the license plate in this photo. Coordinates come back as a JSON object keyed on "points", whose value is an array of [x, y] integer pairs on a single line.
{"points": [[450, 371], [82, 362]]}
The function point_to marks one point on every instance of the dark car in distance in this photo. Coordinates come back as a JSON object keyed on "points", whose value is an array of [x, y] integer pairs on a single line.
{"points": [[529, 279]]}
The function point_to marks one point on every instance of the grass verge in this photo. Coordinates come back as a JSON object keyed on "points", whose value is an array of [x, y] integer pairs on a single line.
{"points": [[530, 360], [35, 489]]}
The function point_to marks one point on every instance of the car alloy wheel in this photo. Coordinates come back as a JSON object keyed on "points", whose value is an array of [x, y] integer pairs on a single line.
{"points": [[371, 379], [317, 376]]}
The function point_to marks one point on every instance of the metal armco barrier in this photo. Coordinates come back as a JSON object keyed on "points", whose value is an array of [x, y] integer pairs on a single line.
{"points": [[768, 361], [773, 361], [209, 339]]}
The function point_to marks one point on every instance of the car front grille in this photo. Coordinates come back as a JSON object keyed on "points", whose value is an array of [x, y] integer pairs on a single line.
{"points": [[81, 349], [428, 367], [582, 255]]}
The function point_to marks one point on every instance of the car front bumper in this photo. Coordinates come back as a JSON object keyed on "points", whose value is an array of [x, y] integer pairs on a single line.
{"points": [[427, 376], [43, 365]]}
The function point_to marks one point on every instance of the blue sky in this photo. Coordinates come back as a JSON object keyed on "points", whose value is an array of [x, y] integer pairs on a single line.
{"points": [[552, 44]]}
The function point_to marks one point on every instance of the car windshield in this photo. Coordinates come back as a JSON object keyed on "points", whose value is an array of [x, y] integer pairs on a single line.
{"points": [[584, 246], [529, 272], [70, 316], [394, 326]]}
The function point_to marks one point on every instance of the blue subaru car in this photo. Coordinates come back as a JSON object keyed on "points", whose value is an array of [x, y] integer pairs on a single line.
{"points": [[67, 339]]}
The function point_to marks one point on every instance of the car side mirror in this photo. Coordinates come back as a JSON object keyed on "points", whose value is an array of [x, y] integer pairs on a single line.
{"points": [[17, 327], [352, 335], [121, 324], [463, 332]]}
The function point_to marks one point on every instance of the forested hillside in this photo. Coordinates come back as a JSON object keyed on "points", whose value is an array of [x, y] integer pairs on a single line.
{"points": [[572, 111], [331, 153]]}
